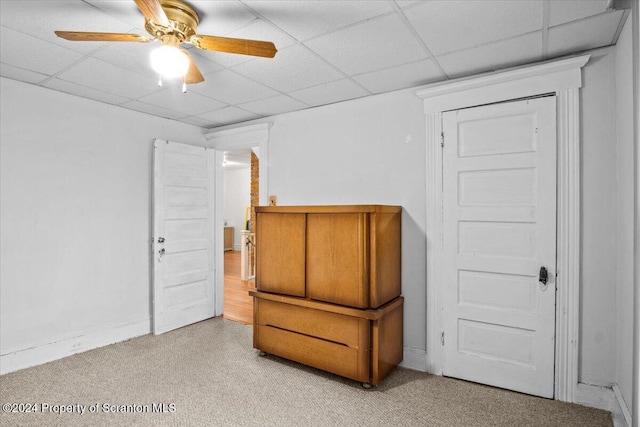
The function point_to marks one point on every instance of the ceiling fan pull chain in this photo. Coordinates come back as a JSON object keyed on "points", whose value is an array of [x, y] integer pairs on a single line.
{"points": [[184, 86], [159, 79]]}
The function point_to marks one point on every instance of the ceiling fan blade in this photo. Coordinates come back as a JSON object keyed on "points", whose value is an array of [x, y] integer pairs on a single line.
{"points": [[229, 45], [83, 36], [193, 73], [152, 10]]}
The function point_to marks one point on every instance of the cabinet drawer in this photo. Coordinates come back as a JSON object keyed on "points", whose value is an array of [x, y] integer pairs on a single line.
{"points": [[338, 328], [328, 356]]}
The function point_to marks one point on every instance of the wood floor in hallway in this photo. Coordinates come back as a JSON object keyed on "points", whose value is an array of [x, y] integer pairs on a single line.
{"points": [[238, 305]]}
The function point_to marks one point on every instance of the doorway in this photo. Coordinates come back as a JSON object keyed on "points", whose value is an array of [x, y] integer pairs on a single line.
{"points": [[240, 168], [256, 135]]}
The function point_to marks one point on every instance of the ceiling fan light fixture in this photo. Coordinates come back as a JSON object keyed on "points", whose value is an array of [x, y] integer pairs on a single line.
{"points": [[174, 23], [169, 61]]}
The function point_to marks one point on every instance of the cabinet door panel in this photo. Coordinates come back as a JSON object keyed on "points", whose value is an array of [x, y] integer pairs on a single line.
{"points": [[280, 248], [337, 258]]}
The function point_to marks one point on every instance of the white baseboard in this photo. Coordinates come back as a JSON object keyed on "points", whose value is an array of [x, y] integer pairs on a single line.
{"points": [[609, 399], [20, 358], [619, 409], [414, 358], [594, 396]]}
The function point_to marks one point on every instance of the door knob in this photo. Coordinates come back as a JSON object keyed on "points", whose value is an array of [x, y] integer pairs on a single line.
{"points": [[543, 277], [161, 252], [160, 239]]}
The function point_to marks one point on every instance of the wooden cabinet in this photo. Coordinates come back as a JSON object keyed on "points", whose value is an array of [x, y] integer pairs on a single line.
{"points": [[328, 287], [364, 345], [347, 255], [228, 238]]}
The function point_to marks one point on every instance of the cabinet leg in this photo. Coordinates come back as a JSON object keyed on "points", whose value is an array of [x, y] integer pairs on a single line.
{"points": [[366, 386], [262, 353]]}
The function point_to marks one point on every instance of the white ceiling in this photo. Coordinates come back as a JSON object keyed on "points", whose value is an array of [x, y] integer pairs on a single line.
{"points": [[328, 50]]}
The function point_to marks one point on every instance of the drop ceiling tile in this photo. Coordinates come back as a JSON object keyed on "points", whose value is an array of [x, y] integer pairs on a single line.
{"points": [[124, 11], [231, 88], [221, 17], [400, 77], [34, 54], [130, 56], [197, 121], [407, 3], [328, 93], [292, 69], [189, 103], [152, 109], [85, 92], [272, 106], [306, 19], [41, 18], [109, 78], [228, 115], [561, 11], [261, 30], [15, 73], [493, 56], [585, 34], [448, 26], [369, 46]]}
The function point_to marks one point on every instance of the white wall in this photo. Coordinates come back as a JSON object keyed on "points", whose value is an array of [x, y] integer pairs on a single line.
{"points": [[366, 151], [75, 222], [635, 35], [599, 265], [625, 213], [372, 150], [237, 196]]}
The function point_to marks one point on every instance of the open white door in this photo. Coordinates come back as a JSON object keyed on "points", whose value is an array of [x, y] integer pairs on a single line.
{"points": [[183, 235], [499, 213]]}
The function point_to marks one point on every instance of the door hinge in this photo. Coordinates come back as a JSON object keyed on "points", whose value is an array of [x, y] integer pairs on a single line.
{"points": [[442, 338], [441, 139]]}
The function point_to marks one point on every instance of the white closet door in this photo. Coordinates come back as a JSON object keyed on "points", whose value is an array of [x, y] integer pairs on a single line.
{"points": [[499, 194]]}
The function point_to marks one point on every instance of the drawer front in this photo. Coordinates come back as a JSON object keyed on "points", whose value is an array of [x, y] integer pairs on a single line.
{"points": [[338, 328], [328, 356]]}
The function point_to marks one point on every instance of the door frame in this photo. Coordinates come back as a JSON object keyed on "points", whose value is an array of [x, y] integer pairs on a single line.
{"points": [[564, 79], [221, 141]]}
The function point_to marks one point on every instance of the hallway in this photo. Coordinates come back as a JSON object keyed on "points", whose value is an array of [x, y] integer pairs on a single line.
{"points": [[238, 305]]}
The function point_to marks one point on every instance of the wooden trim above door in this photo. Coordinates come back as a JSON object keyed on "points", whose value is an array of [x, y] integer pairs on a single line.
{"points": [[563, 78]]}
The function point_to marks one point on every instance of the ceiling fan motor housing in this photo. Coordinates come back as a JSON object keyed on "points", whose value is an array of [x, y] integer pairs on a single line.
{"points": [[183, 18]]}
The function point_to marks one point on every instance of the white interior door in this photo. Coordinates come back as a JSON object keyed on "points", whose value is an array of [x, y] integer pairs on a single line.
{"points": [[183, 247], [499, 210]]}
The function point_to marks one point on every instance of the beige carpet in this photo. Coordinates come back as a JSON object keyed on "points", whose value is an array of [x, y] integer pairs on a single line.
{"points": [[212, 377]]}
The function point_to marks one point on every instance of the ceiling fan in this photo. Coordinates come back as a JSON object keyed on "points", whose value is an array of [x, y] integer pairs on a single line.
{"points": [[174, 22]]}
